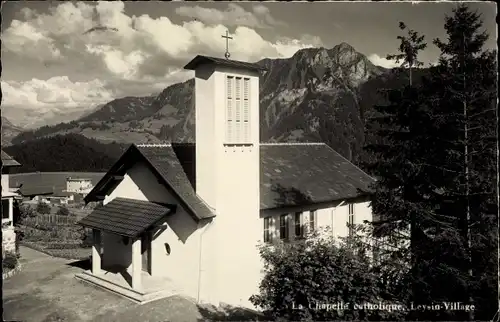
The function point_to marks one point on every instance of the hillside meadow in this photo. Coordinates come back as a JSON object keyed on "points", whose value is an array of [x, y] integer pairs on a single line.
{"points": [[50, 180]]}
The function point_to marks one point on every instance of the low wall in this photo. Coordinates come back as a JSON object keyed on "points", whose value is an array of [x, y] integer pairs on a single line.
{"points": [[12, 272]]}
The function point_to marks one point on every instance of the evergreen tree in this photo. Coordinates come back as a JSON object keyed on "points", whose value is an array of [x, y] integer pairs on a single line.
{"points": [[464, 98], [409, 48], [402, 189]]}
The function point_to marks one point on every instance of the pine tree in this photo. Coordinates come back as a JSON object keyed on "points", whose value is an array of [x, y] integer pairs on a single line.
{"points": [[402, 189], [464, 92], [409, 48]]}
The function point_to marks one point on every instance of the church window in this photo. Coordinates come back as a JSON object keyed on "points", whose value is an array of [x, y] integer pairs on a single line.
{"points": [[284, 228], [312, 220], [268, 236], [246, 109], [230, 109], [238, 110], [299, 227], [351, 219]]}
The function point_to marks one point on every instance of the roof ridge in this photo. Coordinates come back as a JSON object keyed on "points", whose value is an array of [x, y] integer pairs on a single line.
{"points": [[153, 145], [292, 143]]}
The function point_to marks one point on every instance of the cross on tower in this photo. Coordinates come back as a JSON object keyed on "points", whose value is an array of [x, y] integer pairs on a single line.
{"points": [[227, 54]]}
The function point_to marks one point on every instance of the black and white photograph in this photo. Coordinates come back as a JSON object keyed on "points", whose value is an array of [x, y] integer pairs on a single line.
{"points": [[249, 161]]}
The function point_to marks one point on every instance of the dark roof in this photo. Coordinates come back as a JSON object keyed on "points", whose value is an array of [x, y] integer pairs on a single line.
{"points": [[164, 160], [200, 60], [8, 161], [126, 217], [308, 173], [291, 175]]}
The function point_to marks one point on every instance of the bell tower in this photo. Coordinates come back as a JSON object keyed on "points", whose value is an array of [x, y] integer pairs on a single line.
{"points": [[228, 174]]}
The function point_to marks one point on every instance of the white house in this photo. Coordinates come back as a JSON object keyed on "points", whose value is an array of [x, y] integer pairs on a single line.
{"points": [[78, 185], [193, 214], [8, 196]]}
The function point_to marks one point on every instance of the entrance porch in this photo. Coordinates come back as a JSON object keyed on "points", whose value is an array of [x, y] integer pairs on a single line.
{"points": [[153, 288], [128, 226]]}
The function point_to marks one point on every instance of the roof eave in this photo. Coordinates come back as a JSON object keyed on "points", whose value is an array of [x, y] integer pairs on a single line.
{"points": [[200, 59], [92, 196], [171, 210], [10, 164]]}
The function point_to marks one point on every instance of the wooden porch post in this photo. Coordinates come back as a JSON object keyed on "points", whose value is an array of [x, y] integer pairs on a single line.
{"points": [[96, 252], [136, 264]]}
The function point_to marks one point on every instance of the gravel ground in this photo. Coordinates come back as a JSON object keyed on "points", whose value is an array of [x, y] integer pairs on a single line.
{"points": [[46, 290]]}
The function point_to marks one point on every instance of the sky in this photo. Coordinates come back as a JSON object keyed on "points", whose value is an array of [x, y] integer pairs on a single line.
{"points": [[68, 56]]}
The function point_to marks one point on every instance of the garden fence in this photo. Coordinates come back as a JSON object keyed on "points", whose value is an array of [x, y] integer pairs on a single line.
{"points": [[53, 219]]}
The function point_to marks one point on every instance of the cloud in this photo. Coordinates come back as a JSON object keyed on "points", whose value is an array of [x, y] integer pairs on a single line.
{"points": [[127, 47], [234, 15], [127, 54], [383, 62], [23, 39], [56, 92]]}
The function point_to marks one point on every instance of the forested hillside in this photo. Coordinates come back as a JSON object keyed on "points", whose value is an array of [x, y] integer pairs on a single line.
{"points": [[70, 152]]}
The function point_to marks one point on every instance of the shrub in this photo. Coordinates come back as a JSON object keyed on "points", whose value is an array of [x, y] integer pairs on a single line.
{"points": [[43, 208], [87, 240], [26, 211], [322, 271], [10, 260], [63, 211]]}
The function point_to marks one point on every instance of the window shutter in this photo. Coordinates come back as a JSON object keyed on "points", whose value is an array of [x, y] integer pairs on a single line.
{"points": [[230, 121], [238, 134], [229, 109], [238, 88], [246, 110]]}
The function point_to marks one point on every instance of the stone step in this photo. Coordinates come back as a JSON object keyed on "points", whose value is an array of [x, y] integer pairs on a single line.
{"points": [[130, 294], [136, 296]]}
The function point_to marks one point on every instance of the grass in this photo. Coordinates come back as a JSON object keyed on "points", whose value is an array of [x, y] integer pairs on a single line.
{"points": [[67, 253]]}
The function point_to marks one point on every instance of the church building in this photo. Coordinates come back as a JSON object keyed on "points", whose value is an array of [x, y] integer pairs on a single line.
{"points": [[189, 216]]}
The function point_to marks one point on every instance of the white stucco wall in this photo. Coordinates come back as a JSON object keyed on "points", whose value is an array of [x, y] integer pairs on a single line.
{"points": [[79, 185], [334, 216], [228, 181], [182, 233], [5, 183], [8, 233]]}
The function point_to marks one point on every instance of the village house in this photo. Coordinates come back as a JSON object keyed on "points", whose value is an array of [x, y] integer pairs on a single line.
{"points": [[8, 197], [191, 215], [78, 185], [35, 189]]}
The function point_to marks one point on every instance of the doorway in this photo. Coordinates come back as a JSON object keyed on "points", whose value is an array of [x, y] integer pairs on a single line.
{"points": [[146, 252]]}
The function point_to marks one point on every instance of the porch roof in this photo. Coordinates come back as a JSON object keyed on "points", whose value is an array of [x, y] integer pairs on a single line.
{"points": [[126, 217]]}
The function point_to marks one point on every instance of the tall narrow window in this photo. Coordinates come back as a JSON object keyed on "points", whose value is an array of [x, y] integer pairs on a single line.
{"points": [[246, 109], [351, 219], [230, 110], [268, 236], [299, 227], [284, 228], [312, 220], [237, 118], [238, 110]]}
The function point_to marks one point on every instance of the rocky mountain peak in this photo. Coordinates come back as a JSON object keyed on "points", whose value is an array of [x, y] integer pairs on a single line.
{"points": [[301, 97]]}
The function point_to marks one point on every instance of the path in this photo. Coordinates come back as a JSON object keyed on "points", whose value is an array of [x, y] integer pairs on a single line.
{"points": [[46, 290]]}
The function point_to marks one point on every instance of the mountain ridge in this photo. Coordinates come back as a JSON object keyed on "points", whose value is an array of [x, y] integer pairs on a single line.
{"points": [[299, 96]]}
